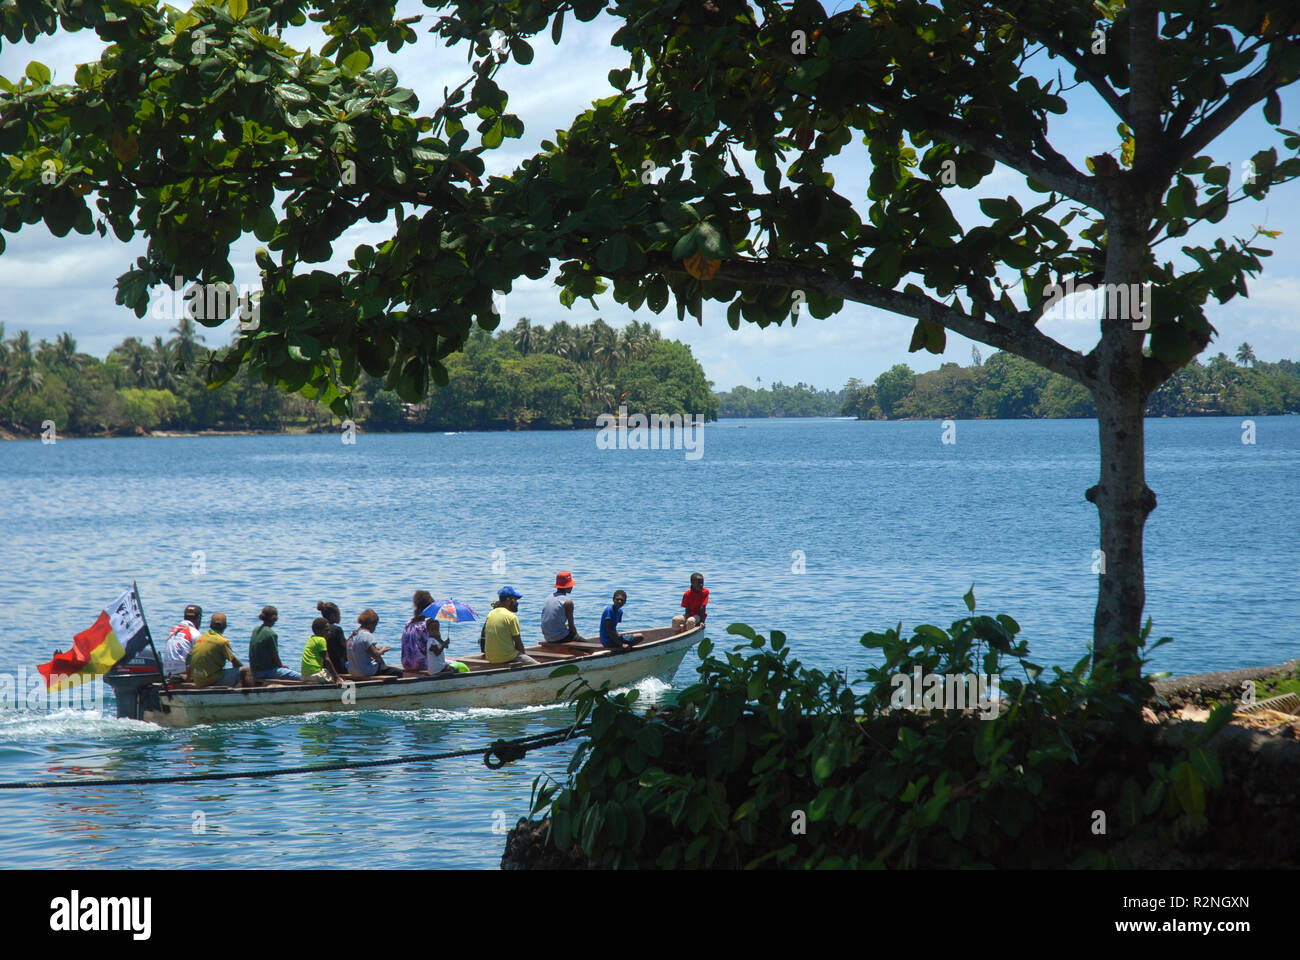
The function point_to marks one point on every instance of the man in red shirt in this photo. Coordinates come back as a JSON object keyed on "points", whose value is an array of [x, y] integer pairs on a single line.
{"points": [[695, 601]]}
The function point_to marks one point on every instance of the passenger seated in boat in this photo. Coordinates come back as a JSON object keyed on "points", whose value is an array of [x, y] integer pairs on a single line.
{"points": [[609, 621], [336, 644], [208, 661], [695, 601], [418, 635], [365, 657], [264, 650], [501, 641], [436, 660], [180, 643], [557, 612], [316, 667]]}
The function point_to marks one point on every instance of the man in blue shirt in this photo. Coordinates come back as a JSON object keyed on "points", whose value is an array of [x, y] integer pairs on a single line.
{"points": [[609, 621]]}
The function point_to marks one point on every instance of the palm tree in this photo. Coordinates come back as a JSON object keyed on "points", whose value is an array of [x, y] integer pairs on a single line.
{"points": [[135, 361], [596, 389], [6, 368], [25, 374], [638, 337], [604, 344], [525, 336], [162, 369], [1245, 355], [65, 352], [185, 343]]}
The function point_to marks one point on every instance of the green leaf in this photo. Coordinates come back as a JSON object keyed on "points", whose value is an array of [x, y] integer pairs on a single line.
{"points": [[612, 254], [38, 73], [356, 62], [238, 9], [567, 670], [824, 767], [1155, 793], [521, 51], [1190, 790], [686, 245], [1273, 108], [293, 93], [970, 598], [1207, 765], [711, 242]]}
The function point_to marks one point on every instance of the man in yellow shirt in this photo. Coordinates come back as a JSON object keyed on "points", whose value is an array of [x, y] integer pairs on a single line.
{"points": [[208, 660], [501, 641]]}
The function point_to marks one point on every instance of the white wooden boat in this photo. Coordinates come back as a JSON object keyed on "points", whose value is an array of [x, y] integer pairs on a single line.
{"points": [[141, 696]]}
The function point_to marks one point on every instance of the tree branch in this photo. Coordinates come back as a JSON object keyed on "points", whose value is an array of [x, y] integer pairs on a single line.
{"points": [[1022, 339], [1243, 95], [1144, 54], [1079, 61], [1055, 172]]}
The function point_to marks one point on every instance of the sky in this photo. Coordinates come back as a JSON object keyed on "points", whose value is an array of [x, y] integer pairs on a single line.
{"points": [[53, 285]]}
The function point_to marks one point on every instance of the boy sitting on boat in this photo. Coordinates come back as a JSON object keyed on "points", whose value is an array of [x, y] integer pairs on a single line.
{"points": [[609, 621], [695, 602], [316, 666]]}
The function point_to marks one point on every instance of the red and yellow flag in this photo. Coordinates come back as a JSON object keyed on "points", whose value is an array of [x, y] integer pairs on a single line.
{"points": [[94, 651]]}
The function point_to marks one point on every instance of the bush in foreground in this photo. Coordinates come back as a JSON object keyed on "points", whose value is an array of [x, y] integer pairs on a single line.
{"points": [[767, 763]]}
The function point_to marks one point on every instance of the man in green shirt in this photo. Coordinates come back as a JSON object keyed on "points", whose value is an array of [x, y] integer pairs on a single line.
{"points": [[208, 660], [501, 642], [264, 650]]}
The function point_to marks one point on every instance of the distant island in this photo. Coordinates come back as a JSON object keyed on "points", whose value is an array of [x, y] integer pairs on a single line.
{"points": [[558, 378], [1007, 387]]}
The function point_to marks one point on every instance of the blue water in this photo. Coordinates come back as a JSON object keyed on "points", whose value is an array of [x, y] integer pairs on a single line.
{"points": [[886, 522]]}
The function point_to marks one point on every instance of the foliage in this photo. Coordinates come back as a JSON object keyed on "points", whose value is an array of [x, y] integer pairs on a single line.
{"points": [[566, 376], [792, 84], [529, 376], [762, 743], [779, 400], [149, 408], [1008, 387], [136, 386]]}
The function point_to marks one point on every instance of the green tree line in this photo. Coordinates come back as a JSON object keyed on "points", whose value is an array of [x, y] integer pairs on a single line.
{"points": [[1008, 387], [564, 376], [138, 386], [526, 377], [780, 400]]}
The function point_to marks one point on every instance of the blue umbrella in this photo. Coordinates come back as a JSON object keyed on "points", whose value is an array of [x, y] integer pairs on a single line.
{"points": [[450, 611]]}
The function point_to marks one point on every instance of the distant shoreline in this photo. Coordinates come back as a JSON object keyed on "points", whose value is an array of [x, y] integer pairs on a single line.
{"points": [[7, 433]]}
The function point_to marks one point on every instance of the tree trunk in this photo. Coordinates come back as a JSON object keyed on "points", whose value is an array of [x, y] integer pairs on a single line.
{"points": [[1122, 497]]}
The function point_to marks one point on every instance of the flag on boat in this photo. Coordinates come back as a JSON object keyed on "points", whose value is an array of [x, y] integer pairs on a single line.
{"points": [[118, 633]]}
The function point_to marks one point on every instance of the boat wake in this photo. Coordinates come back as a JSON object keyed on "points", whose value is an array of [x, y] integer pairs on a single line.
{"points": [[19, 726]]}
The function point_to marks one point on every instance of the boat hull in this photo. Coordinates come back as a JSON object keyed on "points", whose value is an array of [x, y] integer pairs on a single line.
{"points": [[500, 687]]}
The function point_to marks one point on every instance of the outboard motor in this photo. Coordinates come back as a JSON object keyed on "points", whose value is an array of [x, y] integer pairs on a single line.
{"points": [[133, 682]]}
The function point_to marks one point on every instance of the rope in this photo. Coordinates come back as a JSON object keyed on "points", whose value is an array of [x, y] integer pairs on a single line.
{"points": [[503, 751]]}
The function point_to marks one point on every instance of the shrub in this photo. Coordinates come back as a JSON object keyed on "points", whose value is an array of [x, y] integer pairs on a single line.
{"points": [[765, 762]]}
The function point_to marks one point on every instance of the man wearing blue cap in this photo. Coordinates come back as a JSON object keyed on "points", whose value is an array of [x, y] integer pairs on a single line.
{"points": [[501, 641]]}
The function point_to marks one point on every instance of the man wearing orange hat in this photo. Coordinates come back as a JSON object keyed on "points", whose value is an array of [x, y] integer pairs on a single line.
{"points": [[557, 612]]}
